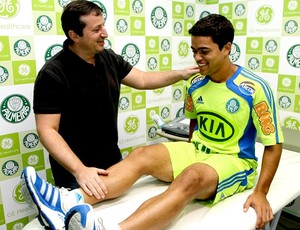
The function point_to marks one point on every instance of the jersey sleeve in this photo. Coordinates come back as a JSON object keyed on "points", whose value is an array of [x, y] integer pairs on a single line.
{"points": [[189, 109], [265, 116]]}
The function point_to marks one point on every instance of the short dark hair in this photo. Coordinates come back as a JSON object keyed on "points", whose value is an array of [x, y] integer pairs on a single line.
{"points": [[216, 26], [70, 18]]}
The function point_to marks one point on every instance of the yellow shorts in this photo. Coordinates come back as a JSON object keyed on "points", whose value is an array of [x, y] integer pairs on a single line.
{"points": [[235, 174]]}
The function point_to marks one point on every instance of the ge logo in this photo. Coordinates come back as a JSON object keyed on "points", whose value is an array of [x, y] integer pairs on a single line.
{"points": [[264, 15], [131, 124]]}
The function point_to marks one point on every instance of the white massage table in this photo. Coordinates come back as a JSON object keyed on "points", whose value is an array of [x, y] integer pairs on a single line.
{"points": [[226, 215]]}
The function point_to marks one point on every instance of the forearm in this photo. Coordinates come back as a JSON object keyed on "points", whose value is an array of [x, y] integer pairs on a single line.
{"points": [[59, 150], [270, 161], [152, 80]]}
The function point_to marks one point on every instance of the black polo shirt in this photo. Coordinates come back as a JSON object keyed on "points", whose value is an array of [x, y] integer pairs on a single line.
{"points": [[87, 98]]}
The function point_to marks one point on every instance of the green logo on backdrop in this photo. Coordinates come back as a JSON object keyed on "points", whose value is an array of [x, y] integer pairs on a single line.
{"points": [[204, 14], [52, 50], [22, 47], [293, 56], [122, 25], [235, 52], [165, 113], [137, 6], [180, 112], [63, 3], [131, 124], [4, 48], [291, 8], [46, 5], [107, 44], [291, 123], [240, 26], [177, 94], [264, 15], [152, 44], [152, 63], [34, 159], [165, 62], [224, 8], [31, 140], [18, 195], [9, 145], [24, 71], [240, 9], [152, 132], [10, 168], [159, 17], [271, 46], [137, 25], [9, 8], [165, 44], [102, 7], [183, 49], [270, 64], [4, 75], [254, 45], [131, 53], [17, 224], [15, 108], [44, 23], [159, 91], [124, 103], [285, 102], [286, 83], [291, 26], [177, 9], [189, 11], [253, 63], [121, 7], [138, 100], [178, 27]]}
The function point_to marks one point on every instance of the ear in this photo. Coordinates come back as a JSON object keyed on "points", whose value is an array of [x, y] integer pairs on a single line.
{"points": [[227, 47], [73, 35]]}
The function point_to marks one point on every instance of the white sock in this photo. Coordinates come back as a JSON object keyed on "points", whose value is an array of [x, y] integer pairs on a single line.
{"points": [[70, 198]]}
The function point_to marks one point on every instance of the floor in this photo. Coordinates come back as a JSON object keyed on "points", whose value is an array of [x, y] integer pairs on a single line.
{"points": [[288, 222]]}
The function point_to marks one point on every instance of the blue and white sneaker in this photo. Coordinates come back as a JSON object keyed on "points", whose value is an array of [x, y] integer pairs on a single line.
{"points": [[45, 197], [82, 217]]}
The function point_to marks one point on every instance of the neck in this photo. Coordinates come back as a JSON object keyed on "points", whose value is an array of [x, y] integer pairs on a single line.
{"points": [[84, 56], [224, 73]]}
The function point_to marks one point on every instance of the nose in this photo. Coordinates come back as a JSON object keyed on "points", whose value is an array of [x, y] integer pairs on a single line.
{"points": [[104, 33], [197, 57]]}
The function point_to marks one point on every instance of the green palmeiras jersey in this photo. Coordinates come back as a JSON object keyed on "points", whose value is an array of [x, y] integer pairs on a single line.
{"points": [[231, 114]]}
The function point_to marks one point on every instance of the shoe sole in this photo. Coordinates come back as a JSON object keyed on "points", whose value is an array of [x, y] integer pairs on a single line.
{"points": [[28, 190], [75, 221]]}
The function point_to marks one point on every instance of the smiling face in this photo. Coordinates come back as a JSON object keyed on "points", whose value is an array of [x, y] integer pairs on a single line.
{"points": [[92, 39], [94, 33], [210, 59]]}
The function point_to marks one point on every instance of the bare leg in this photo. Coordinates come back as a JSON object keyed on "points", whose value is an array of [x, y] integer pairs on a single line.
{"points": [[149, 160], [197, 181]]}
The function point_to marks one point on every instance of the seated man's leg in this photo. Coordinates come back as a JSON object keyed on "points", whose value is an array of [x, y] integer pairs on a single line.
{"points": [[51, 201], [212, 178], [196, 181], [146, 160]]}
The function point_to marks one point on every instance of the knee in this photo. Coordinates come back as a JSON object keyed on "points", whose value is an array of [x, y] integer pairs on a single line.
{"points": [[138, 155], [194, 182], [190, 180]]}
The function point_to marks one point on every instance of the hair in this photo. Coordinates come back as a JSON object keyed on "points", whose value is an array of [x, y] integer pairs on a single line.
{"points": [[71, 16], [216, 26]]}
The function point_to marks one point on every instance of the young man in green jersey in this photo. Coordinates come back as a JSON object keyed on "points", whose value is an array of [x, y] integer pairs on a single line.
{"points": [[228, 106]]}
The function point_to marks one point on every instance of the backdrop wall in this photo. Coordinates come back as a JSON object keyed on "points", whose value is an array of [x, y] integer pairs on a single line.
{"points": [[152, 35]]}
